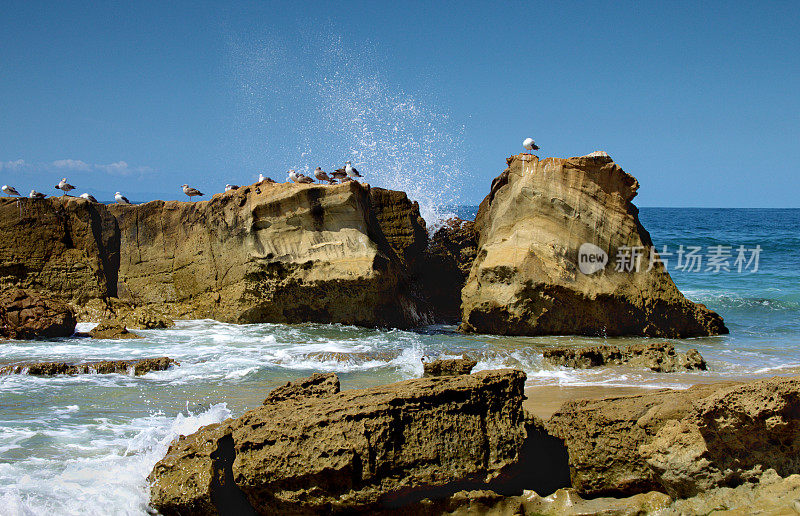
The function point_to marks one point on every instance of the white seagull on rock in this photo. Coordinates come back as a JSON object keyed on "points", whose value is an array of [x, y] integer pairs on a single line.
{"points": [[36, 195], [322, 176], [529, 144], [293, 177], [121, 198], [64, 186], [10, 190], [351, 170], [88, 197], [191, 192]]}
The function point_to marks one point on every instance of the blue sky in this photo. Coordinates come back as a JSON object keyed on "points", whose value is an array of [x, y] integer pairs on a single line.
{"points": [[700, 102]]}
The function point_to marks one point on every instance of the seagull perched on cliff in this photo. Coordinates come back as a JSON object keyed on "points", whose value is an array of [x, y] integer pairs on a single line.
{"points": [[260, 177], [302, 178], [64, 186], [88, 197], [351, 170], [121, 198], [228, 188], [529, 144], [10, 190], [36, 195], [191, 192], [293, 177], [322, 176], [340, 174]]}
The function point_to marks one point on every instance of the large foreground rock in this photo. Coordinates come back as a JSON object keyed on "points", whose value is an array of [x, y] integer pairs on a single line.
{"points": [[682, 442], [526, 278], [271, 252], [362, 450], [28, 315]]}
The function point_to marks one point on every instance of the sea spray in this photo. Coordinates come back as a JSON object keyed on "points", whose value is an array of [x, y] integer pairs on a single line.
{"points": [[330, 101]]}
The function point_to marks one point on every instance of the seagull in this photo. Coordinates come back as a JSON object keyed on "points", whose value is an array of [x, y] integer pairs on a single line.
{"points": [[293, 176], [339, 174], [228, 188], [121, 198], [350, 169], [260, 177], [529, 144], [191, 192], [64, 186], [10, 190], [302, 178], [322, 176], [36, 195], [88, 197]]}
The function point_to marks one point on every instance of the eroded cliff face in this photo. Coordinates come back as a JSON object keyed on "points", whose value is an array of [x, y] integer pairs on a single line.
{"points": [[271, 252], [526, 278]]}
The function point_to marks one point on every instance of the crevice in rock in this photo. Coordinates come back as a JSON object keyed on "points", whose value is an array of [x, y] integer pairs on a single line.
{"points": [[227, 497]]}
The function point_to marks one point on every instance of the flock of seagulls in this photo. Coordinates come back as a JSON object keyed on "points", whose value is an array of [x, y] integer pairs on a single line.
{"points": [[347, 173]]}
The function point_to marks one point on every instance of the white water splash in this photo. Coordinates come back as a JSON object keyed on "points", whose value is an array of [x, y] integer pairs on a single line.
{"points": [[331, 102]]}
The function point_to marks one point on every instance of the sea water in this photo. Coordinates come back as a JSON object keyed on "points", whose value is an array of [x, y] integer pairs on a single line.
{"points": [[85, 444]]}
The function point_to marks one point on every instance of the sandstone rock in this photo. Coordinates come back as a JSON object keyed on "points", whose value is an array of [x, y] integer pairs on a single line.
{"points": [[276, 253], [448, 259], [729, 438], [142, 318], [318, 385], [526, 278], [138, 367], [110, 329], [603, 437], [365, 450], [448, 367], [660, 357], [28, 315]]}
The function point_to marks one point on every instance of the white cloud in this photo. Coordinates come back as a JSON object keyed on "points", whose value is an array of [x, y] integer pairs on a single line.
{"points": [[13, 165], [72, 164], [118, 168]]}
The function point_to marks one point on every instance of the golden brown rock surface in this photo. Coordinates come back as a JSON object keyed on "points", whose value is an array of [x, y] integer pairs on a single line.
{"points": [[137, 366], [269, 252], [28, 315], [364, 450], [526, 278]]}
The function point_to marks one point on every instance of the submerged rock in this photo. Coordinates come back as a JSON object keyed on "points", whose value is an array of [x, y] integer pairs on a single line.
{"points": [[29, 315], [366, 450], [527, 279], [137, 366], [110, 329], [660, 357], [448, 367]]}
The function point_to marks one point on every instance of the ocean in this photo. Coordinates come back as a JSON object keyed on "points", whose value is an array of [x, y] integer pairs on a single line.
{"points": [[85, 444]]}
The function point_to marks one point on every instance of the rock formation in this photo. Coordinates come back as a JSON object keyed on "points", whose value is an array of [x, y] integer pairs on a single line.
{"points": [[364, 450], [526, 279], [28, 315], [137, 367], [273, 252], [682, 442], [660, 357], [446, 265], [448, 367], [110, 329]]}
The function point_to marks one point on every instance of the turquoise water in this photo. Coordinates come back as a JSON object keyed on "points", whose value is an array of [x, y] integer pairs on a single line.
{"points": [[85, 444]]}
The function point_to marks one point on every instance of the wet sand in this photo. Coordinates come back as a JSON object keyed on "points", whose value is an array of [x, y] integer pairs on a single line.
{"points": [[544, 400]]}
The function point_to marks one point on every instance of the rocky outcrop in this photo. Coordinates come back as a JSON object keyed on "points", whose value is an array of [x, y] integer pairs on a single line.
{"points": [[110, 329], [137, 367], [527, 280], [660, 357], [682, 442], [30, 315], [272, 252], [318, 385], [445, 267], [448, 367], [141, 318], [365, 450]]}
